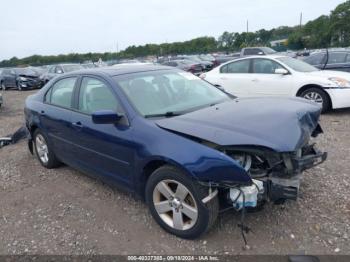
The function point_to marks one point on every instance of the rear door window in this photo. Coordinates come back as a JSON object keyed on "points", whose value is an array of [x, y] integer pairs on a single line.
{"points": [[61, 93], [336, 58], [238, 67]]}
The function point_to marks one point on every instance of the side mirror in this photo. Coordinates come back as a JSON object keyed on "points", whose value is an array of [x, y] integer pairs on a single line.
{"points": [[106, 117], [59, 72], [281, 71], [260, 53]]}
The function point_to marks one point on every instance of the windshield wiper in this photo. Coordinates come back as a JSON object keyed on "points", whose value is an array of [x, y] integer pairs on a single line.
{"points": [[166, 114]]}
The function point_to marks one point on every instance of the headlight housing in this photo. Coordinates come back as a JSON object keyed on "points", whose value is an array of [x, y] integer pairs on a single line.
{"points": [[340, 82], [256, 166], [21, 78]]}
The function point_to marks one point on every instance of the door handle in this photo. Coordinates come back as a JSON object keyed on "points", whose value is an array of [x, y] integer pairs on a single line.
{"points": [[255, 80], [77, 125], [223, 78]]}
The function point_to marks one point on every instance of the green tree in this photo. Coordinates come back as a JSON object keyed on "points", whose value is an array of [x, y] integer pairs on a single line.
{"points": [[340, 24]]}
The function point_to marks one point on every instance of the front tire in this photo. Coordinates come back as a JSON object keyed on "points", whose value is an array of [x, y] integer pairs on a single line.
{"points": [[19, 86], [3, 87], [43, 150], [319, 96], [175, 202]]}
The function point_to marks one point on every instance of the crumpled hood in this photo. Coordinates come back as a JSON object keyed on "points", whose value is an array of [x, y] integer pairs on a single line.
{"points": [[282, 124]]}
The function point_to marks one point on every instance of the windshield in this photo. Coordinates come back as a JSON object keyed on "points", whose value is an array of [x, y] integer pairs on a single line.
{"points": [[24, 71], [70, 68], [168, 92], [297, 65]]}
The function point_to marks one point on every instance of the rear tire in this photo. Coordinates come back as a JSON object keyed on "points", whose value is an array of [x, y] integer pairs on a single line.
{"points": [[319, 96], [182, 211], [44, 151]]}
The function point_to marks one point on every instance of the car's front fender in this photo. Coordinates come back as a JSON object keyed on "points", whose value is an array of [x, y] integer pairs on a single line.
{"points": [[198, 161]]}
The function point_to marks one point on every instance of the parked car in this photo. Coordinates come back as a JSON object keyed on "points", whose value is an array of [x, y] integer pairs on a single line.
{"points": [[19, 78], [249, 51], [282, 76], [186, 65], [335, 60], [220, 59], [59, 69], [206, 65], [174, 140]]}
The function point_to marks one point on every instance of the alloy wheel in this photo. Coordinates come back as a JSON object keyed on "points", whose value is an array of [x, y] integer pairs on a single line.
{"points": [[314, 96], [175, 204], [42, 149]]}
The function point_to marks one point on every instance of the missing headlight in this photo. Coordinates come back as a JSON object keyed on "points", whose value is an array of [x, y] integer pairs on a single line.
{"points": [[255, 165]]}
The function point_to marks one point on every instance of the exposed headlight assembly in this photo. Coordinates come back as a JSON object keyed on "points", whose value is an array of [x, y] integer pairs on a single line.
{"points": [[255, 165], [340, 82]]}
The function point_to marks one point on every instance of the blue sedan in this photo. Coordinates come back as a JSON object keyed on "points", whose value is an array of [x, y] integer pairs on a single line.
{"points": [[174, 140]]}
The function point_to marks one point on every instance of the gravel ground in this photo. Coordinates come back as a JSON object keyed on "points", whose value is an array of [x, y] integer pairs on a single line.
{"points": [[62, 211]]}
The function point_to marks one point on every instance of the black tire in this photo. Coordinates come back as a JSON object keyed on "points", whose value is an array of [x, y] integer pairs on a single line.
{"points": [[19, 86], [207, 213], [52, 160], [326, 104]]}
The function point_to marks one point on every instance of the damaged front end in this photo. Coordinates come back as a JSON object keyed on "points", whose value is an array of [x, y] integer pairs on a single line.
{"points": [[279, 173]]}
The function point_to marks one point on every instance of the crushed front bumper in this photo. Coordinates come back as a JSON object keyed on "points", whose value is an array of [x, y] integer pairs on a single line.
{"points": [[286, 186]]}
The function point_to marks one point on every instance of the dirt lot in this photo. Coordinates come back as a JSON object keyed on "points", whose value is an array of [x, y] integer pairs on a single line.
{"points": [[62, 211]]}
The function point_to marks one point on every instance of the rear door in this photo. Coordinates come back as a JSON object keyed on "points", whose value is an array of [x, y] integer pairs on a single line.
{"points": [[264, 80], [235, 77], [105, 149], [55, 117], [337, 61]]}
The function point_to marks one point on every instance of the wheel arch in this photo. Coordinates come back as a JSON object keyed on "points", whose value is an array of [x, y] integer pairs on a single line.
{"points": [[152, 165], [308, 86]]}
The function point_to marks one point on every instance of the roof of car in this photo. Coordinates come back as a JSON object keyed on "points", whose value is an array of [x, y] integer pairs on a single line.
{"points": [[123, 69], [275, 56]]}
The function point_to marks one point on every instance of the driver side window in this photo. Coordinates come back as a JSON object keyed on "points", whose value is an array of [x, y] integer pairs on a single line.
{"points": [[95, 95], [265, 66]]}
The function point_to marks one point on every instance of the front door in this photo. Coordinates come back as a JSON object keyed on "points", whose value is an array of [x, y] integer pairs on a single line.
{"points": [[265, 82], [104, 149]]}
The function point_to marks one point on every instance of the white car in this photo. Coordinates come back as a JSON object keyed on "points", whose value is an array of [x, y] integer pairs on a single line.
{"points": [[274, 75]]}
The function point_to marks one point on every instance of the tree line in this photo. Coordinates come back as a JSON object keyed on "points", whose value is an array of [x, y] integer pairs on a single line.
{"points": [[326, 31]]}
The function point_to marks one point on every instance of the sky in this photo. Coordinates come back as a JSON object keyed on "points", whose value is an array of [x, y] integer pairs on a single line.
{"points": [[50, 27]]}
